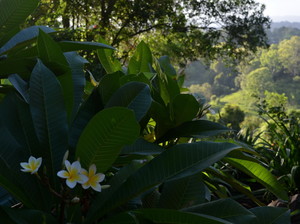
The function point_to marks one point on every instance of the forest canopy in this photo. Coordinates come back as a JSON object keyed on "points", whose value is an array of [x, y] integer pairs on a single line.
{"points": [[191, 28]]}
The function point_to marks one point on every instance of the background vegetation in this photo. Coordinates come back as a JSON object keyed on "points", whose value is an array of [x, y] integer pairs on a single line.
{"points": [[69, 101]]}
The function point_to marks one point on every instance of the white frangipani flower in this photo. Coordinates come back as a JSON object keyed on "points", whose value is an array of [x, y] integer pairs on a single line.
{"points": [[93, 178], [32, 166], [73, 174]]}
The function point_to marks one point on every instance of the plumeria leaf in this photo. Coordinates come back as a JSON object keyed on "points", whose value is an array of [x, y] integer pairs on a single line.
{"points": [[53, 57], [49, 117], [105, 135], [187, 160]]}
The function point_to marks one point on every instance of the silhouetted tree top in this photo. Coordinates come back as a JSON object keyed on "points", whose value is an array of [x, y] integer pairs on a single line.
{"points": [[230, 27]]}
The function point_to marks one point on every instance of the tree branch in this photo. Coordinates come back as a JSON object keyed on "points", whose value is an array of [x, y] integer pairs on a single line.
{"points": [[141, 31]]}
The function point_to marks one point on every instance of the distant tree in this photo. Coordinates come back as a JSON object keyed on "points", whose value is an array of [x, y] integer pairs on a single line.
{"points": [[270, 58], [224, 80], [197, 72], [204, 89], [198, 27], [289, 55], [232, 116], [246, 66], [257, 81], [274, 99]]}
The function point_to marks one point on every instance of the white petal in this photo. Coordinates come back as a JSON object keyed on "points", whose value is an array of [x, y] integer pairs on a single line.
{"points": [[76, 165], [83, 179], [97, 187], [84, 172], [92, 169], [71, 184], [31, 160], [63, 174], [85, 186], [25, 165], [25, 170], [39, 162], [68, 165], [101, 177]]}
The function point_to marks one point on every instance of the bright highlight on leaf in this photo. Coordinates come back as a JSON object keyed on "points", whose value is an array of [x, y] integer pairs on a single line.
{"points": [[93, 178], [72, 174], [32, 166]]}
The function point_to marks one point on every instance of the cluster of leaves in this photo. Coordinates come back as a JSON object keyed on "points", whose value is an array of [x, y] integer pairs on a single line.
{"points": [[279, 144], [49, 109]]}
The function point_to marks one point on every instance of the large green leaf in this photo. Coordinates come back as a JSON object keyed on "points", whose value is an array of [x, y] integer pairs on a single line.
{"points": [[20, 66], [184, 107], [226, 209], [160, 114], [121, 176], [51, 54], [123, 218], [184, 192], [134, 78], [23, 38], [116, 181], [105, 56], [49, 117], [133, 95], [26, 216], [14, 12], [76, 63], [108, 85], [10, 158], [104, 136], [166, 85], [20, 85], [141, 61], [166, 66], [142, 147], [88, 109], [252, 168], [6, 198], [5, 37], [195, 129], [177, 217], [19, 123], [18, 142], [271, 215], [81, 45], [162, 216], [177, 162]]}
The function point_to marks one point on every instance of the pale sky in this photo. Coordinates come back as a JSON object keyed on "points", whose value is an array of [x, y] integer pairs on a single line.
{"points": [[282, 9]]}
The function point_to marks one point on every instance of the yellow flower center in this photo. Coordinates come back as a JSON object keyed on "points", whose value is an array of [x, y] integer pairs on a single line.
{"points": [[73, 175]]}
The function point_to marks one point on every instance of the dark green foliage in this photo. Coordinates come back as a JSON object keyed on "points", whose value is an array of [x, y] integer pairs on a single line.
{"points": [[232, 116], [280, 143], [49, 117], [135, 126]]}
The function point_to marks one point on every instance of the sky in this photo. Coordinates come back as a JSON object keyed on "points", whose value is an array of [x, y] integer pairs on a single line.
{"points": [[282, 10]]}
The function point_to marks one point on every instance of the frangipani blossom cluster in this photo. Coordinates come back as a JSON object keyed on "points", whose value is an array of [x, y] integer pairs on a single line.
{"points": [[73, 174]]}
